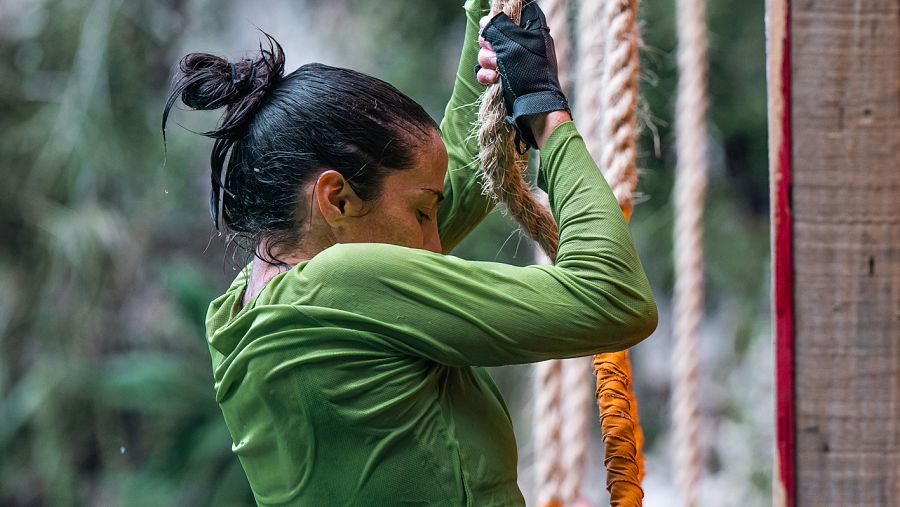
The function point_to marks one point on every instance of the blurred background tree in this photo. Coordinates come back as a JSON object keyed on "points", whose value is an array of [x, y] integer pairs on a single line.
{"points": [[109, 259]]}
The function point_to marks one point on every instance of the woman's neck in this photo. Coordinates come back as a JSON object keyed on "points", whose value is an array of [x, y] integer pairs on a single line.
{"points": [[265, 267], [261, 273]]}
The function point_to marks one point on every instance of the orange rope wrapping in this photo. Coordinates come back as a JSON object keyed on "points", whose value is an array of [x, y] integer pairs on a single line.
{"points": [[621, 432], [620, 425]]}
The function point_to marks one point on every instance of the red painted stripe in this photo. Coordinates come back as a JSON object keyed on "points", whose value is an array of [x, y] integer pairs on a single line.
{"points": [[784, 284]]}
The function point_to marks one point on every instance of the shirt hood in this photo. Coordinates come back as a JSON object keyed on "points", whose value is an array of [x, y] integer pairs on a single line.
{"points": [[222, 311]]}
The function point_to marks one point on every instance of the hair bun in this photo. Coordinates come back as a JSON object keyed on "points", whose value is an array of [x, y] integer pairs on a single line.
{"points": [[242, 80], [210, 82], [213, 82]]}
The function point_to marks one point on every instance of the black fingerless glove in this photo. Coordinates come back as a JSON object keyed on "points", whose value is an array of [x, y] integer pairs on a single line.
{"points": [[526, 60]]}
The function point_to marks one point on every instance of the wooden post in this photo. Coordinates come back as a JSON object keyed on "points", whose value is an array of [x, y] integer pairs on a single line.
{"points": [[835, 172]]}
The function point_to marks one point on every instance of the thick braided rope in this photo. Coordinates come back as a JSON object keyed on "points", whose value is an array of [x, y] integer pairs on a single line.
{"points": [[555, 464], [558, 21], [619, 91], [619, 99], [550, 471], [589, 75], [577, 409], [548, 392], [503, 168], [548, 416], [690, 189]]}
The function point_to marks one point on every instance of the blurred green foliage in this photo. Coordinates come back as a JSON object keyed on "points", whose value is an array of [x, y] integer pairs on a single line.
{"points": [[109, 260]]}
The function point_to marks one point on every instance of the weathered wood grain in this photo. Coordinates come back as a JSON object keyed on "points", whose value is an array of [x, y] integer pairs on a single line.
{"points": [[845, 111]]}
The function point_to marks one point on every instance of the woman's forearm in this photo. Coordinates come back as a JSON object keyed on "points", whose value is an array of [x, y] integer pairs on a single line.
{"points": [[542, 125], [464, 205]]}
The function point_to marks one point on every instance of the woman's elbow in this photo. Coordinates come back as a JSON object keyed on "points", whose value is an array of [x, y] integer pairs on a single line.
{"points": [[648, 322], [640, 324]]}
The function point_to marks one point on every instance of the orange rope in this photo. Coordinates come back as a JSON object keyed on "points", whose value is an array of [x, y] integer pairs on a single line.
{"points": [[621, 428]]}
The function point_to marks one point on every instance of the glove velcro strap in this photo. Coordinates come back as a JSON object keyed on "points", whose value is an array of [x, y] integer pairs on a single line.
{"points": [[535, 103]]}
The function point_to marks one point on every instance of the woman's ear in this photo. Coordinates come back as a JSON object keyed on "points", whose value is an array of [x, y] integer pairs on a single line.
{"points": [[335, 197]]}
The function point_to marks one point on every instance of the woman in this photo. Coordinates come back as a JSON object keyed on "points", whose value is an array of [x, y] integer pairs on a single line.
{"points": [[348, 356]]}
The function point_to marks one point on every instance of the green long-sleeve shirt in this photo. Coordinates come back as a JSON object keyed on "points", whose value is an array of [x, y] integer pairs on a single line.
{"points": [[356, 378]]}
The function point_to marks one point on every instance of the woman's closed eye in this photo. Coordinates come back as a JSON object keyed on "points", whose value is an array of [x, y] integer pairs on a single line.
{"points": [[423, 216]]}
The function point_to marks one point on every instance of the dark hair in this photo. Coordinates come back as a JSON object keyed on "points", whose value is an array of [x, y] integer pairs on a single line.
{"points": [[276, 130]]}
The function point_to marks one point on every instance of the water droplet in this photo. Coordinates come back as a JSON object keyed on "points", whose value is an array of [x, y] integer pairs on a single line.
{"points": [[166, 190], [122, 450]]}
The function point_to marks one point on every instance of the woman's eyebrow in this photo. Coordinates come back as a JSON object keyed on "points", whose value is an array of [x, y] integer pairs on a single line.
{"points": [[439, 194]]}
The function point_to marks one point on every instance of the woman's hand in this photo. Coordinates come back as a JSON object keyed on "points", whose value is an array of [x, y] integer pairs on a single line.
{"points": [[487, 58], [541, 124], [523, 55]]}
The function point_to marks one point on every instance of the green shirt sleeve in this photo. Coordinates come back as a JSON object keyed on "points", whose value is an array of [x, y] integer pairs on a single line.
{"points": [[464, 206], [596, 298]]}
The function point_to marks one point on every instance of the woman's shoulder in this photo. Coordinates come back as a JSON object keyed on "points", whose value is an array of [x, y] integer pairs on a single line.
{"points": [[336, 273], [361, 260]]}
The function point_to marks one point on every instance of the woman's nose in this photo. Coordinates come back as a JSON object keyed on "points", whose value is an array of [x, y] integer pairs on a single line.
{"points": [[433, 242]]}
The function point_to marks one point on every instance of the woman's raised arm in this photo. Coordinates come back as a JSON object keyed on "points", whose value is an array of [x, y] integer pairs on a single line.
{"points": [[415, 302], [464, 206]]}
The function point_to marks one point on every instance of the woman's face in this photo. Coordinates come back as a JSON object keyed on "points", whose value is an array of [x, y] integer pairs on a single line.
{"points": [[406, 213]]}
